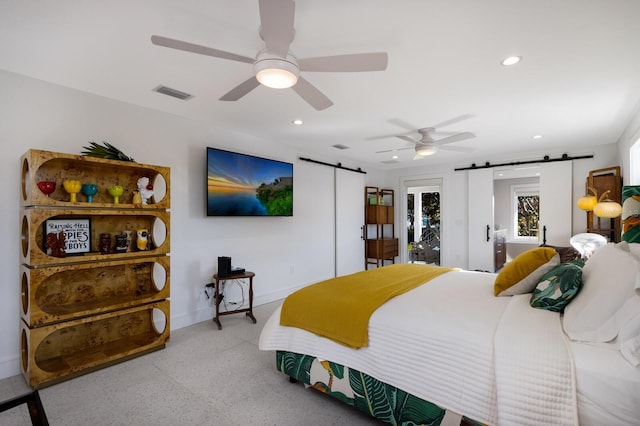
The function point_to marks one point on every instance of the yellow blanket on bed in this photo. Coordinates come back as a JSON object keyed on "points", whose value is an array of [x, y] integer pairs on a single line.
{"points": [[340, 308]]}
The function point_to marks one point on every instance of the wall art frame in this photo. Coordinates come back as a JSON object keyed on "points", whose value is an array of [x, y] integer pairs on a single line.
{"points": [[77, 236]]}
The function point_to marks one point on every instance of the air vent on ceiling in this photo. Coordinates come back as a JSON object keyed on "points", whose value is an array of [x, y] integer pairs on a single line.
{"points": [[340, 146], [172, 92]]}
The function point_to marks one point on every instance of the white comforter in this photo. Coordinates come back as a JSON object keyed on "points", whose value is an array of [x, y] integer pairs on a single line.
{"points": [[451, 342]]}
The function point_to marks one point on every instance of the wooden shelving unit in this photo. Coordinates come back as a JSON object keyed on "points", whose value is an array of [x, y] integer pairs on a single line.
{"points": [[90, 310], [607, 179], [380, 242]]}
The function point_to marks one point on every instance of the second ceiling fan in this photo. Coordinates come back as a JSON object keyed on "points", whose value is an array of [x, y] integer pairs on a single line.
{"points": [[427, 145], [275, 66]]}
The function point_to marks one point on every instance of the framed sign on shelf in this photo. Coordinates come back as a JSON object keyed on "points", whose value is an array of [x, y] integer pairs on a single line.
{"points": [[77, 236]]}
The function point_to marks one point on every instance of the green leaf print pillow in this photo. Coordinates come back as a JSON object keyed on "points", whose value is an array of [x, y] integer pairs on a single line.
{"points": [[558, 287]]}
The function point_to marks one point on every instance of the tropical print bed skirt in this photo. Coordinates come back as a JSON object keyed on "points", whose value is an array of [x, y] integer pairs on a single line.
{"points": [[380, 400]]}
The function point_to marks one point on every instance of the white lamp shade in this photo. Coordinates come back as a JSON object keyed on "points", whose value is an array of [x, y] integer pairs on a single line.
{"points": [[587, 243], [276, 73], [607, 209], [426, 149]]}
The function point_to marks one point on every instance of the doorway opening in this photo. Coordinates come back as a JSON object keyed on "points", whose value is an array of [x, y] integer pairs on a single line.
{"points": [[423, 221], [634, 161]]}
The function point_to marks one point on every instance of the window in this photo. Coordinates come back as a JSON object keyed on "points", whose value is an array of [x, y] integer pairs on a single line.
{"points": [[525, 201]]}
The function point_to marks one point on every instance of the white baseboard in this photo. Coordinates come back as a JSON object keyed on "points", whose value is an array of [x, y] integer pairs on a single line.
{"points": [[9, 366], [208, 313]]}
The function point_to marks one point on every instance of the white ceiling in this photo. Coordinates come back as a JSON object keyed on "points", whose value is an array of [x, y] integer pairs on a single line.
{"points": [[578, 83]]}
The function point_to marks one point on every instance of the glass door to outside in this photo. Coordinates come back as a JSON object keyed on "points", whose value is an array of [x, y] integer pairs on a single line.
{"points": [[423, 224]]}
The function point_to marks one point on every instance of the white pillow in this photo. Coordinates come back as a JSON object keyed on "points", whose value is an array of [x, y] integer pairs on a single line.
{"points": [[600, 309], [634, 248], [632, 328], [630, 350]]}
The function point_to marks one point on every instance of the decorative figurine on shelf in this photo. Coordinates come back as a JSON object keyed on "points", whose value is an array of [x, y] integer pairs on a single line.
{"points": [[142, 239], [121, 243], [137, 198], [105, 243], [47, 187], [129, 240], [116, 191], [54, 245], [145, 189], [89, 189], [72, 187]]}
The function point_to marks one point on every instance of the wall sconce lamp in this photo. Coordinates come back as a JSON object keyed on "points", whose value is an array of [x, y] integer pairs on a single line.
{"points": [[588, 202], [607, 208]]}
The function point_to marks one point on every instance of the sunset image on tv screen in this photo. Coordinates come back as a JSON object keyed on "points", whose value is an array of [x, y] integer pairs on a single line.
{"points": [[244, 185]]}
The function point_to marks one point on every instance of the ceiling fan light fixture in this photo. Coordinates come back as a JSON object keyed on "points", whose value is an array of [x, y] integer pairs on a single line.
{"points": [[425, 150], [276, 73], [511, 60]]}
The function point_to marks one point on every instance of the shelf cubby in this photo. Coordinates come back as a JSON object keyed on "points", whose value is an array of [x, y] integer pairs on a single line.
{"points": [[38, 166], [61, 293], [102, 221], [56, 352]]}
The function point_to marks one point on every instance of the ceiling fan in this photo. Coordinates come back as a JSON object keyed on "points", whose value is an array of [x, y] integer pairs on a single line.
{"points": [[427, 145], [275, 66]]}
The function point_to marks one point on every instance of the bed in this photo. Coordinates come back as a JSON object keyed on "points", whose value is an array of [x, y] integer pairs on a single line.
{"points": [[450, 345]]}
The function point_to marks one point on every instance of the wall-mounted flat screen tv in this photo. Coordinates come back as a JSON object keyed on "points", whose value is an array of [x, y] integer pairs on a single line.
{"points": [[245, 185]]}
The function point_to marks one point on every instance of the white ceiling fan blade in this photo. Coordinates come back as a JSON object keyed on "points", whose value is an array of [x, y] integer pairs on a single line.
{"points": [[395, 149], [196, 48], [311, 94], [346, 63], [241, 90], [276, 29], [453, 120], [455, 138], [407, 138], [401, 123], [456, 148]]}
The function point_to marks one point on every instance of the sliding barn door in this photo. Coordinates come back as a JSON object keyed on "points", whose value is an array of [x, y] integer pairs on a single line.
{"points": [[556, 202], [349, 193], [480, 219]]}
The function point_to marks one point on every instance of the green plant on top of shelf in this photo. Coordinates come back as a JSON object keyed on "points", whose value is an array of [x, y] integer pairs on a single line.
{"points": [[107, 151]]}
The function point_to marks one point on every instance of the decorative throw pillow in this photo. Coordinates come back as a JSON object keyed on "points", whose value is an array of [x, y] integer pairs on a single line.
{"points": [[521, 275], [567, 254], [558, 287], [607, 300]]}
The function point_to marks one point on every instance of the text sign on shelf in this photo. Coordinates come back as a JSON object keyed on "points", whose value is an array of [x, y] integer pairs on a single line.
{"points": [[77, 233]]}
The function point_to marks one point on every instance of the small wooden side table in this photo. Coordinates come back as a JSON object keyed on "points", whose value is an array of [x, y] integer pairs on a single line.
{"points": [[248, 311]]}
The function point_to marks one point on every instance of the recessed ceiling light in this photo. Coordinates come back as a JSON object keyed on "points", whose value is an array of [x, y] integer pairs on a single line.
{"points": [[297, 122], [511, 60], [537, 137], [395, 157]]}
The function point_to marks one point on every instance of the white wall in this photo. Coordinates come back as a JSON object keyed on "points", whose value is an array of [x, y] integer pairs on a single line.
{"points": [[285, 253], [630, 135]]}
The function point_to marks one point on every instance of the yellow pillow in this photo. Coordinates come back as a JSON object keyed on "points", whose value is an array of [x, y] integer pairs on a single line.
{"points": [[522, 274]]}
